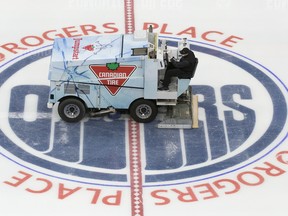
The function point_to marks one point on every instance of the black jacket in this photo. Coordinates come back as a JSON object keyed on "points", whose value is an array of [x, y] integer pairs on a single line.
{"points": [[186, 63]]}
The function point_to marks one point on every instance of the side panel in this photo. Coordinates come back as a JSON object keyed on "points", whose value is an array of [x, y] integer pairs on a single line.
{"points": [[87, 92], [123, 95], [151, 79], [100, 86], [122, 100]]}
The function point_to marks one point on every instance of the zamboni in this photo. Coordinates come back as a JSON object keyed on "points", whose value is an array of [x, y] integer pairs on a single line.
{"points": [[100, 74]]}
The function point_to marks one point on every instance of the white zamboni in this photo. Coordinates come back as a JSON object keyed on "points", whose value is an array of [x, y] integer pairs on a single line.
{"points": [[103, 73]]}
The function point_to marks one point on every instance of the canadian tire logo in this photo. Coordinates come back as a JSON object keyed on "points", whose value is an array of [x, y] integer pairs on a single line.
{"points": [[113, 75]]}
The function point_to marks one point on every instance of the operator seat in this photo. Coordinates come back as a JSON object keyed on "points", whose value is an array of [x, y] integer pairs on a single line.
{"points": [[194, 69]]}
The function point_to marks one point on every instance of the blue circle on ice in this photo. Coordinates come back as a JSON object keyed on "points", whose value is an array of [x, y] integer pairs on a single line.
{"points": [[98, 154]]}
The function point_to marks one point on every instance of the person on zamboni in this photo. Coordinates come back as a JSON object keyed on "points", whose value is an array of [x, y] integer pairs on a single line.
{"points": [[182, 69]]}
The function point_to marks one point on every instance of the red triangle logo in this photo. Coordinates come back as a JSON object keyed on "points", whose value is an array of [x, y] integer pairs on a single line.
{"points": [[113, 79]]}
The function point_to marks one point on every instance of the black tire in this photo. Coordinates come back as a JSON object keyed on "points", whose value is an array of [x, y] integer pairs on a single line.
{"points": [[143, 111], [71, 110]]}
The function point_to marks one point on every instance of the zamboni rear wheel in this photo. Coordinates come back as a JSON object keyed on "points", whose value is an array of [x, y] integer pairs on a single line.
{"points": [[143, 111], [71, 110]]}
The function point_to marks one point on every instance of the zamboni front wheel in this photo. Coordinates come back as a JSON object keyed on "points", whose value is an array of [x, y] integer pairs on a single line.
{"points": [[143, 111], [71, 110]]}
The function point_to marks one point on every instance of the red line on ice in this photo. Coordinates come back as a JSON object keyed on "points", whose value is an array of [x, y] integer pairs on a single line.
{"points": [[134, 134], [129, 16], [135, 168]]}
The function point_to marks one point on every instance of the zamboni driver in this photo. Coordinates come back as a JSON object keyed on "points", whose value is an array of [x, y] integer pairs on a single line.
{"points": [[182, 69]]}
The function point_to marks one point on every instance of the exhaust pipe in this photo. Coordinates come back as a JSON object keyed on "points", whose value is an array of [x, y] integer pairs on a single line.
{"points": [[102, 112]]}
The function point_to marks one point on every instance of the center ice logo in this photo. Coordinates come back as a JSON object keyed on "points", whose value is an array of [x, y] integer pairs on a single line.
{"points": [[233, 130], [113, 75]]}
